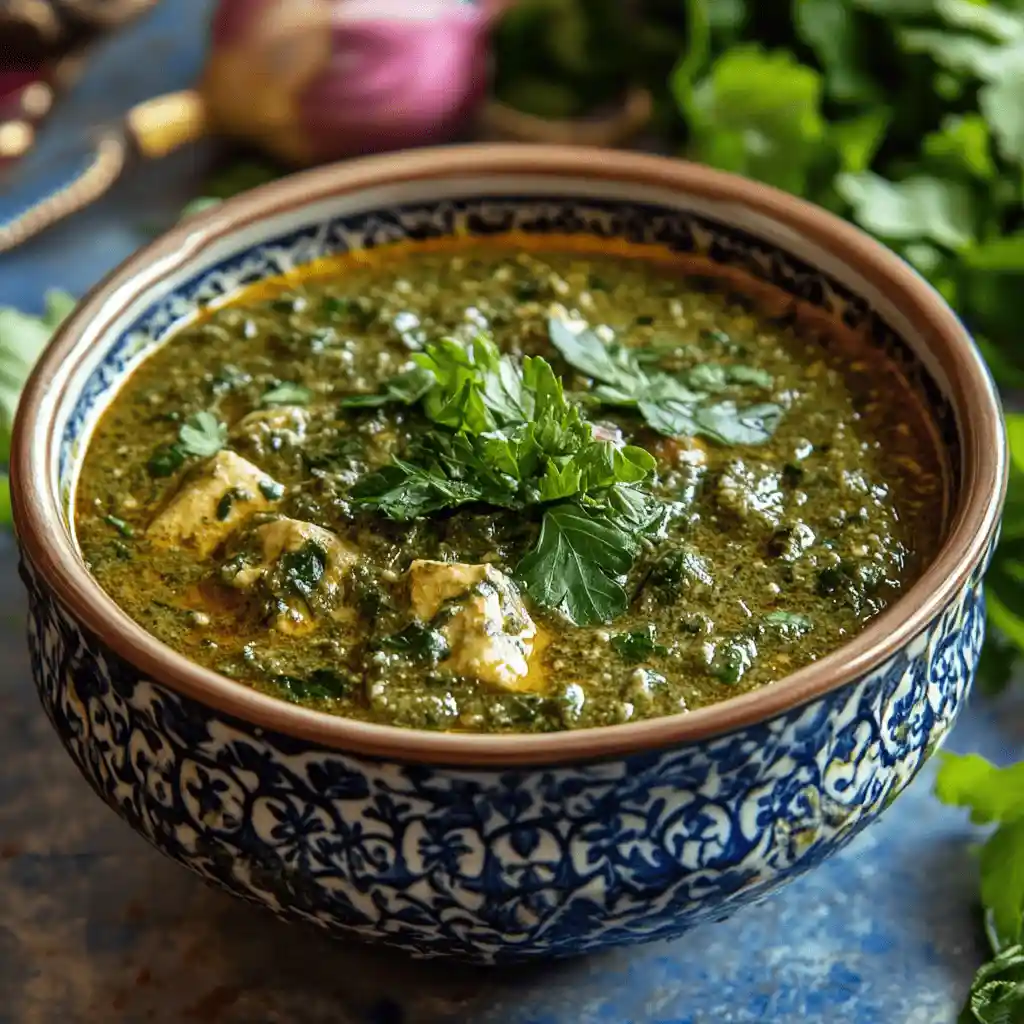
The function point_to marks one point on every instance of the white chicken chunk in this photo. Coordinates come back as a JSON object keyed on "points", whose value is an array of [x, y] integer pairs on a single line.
{"points": [[213, 502], [301, 570], [489, 632]]}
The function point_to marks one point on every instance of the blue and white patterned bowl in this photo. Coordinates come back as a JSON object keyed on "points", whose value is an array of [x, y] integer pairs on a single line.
{"points": [[507, 847]]}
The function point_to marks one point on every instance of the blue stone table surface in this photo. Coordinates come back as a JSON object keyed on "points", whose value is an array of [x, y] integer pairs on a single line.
{"points": [[96, 927]]}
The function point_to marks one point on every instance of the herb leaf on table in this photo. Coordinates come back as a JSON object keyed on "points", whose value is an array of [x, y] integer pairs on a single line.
{"points": [[22, 339]]}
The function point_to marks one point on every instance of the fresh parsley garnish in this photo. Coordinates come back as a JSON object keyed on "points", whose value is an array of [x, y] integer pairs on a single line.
{"points": [[287, 393], [997, 992], [579, 563], [504, 434], [202, 435], [995, 796], [669, 405]]}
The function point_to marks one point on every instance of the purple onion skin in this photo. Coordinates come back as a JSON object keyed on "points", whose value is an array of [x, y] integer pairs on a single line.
{"points": [[395, 83]]}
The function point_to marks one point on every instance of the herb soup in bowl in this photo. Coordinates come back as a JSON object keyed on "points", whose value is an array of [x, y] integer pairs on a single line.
{"points": [[508, 488], [507, 551]]}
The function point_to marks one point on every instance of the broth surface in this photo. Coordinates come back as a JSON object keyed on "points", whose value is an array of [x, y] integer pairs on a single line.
{"points": [[216, 501]]}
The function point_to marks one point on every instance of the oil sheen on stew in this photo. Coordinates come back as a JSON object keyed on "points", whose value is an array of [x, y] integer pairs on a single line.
{"points": [[499, 490]]}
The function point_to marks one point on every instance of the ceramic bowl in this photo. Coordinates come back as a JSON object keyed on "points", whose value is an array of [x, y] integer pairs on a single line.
{"points": [[505, 847]]}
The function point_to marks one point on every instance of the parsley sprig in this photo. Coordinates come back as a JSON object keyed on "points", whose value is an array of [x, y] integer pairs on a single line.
{"points": [[504, 434], [995, 796], [667, 404], [201, 436]]}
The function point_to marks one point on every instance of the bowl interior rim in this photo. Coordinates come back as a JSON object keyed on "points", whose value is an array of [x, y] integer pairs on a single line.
{"points": [[972, 393]]}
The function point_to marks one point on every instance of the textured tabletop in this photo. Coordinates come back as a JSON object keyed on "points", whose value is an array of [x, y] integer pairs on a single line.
{"points": [[97, 927]]}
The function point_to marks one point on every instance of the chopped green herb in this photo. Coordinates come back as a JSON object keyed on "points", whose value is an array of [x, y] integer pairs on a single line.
{"points": [[304, 569], [994, 796], [202, 435], [405, 389], [669, 406], [120, 525], [166, 460], [287, 394], [578, 565], [419, 642], [22, 340], [638, 645]]}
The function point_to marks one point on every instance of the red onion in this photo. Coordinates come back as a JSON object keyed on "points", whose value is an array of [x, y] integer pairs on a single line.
{"points": [[316, 80]]}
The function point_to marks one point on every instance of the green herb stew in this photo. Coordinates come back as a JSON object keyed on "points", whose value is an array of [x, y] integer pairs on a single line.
{"points": [[508, 490]]}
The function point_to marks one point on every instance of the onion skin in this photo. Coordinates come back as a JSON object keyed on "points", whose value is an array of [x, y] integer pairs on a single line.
{"points": [[319, 80]]}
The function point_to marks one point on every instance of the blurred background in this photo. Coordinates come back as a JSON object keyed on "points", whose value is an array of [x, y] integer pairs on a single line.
{"points": [[904, 115]]}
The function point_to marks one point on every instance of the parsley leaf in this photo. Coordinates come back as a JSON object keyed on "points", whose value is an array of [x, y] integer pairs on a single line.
{"points": [[443, 472], [581, 348], [997, 992], [994, 795], [919, 208], [757, 114], [726, 423], [668, 405], [22, 340], [505, 435], [476, 388], [578, 565], [202, 435]]}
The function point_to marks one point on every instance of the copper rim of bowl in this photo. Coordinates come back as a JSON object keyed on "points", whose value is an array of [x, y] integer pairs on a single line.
{"points": [[51, 552]]}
